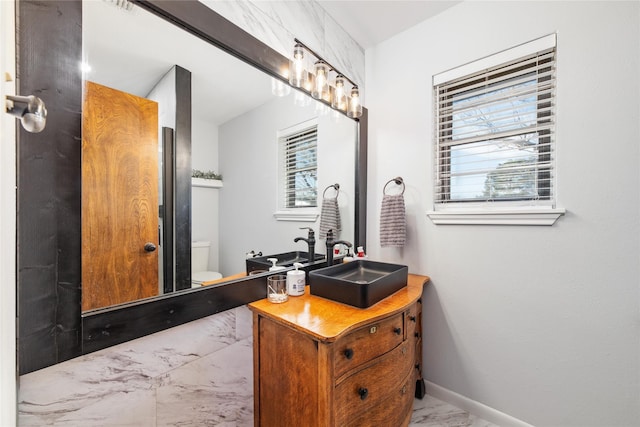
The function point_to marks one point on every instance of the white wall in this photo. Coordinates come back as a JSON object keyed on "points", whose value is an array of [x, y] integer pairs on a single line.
{"points": [[249, 165], [541, 323], [205, 200], [8, 220]]}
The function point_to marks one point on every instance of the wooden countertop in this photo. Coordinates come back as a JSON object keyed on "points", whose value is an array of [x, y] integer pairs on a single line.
{"points": [[327, 320]]}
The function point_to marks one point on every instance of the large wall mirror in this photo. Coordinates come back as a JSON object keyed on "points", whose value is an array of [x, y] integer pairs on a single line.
{"points": [[237, 114], [233, 121]]}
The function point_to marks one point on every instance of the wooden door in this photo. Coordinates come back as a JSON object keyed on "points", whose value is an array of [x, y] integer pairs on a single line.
{"points": [[119, 197]]}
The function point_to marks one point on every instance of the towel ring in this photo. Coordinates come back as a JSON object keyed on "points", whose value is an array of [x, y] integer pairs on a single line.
{"points": [[398, 180], [335, 187]]}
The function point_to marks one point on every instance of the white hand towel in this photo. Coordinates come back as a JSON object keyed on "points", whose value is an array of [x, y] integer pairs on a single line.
{"points": [[393, 224], [330, 218]]}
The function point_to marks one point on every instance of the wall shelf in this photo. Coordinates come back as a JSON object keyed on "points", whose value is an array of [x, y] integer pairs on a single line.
{"points": [[209, 183]]}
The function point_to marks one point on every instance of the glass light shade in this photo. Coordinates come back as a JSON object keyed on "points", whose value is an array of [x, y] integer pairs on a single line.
{"points": [[339, 99], [321, 85], [355, 108], [297, 69], [279, 88], [301, 99]]}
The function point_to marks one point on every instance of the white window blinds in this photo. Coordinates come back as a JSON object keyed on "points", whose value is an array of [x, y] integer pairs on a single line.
{"points": [[495, 132], [299, 168]]}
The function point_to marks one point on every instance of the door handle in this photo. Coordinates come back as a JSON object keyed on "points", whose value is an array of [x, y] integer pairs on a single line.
{"points": [[149, 247], [30, 110]]}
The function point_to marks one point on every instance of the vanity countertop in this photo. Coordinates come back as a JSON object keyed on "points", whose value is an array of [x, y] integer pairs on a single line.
{"points": [[327, 320]]}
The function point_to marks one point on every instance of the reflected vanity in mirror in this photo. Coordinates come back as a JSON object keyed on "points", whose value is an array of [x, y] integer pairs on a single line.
{"points": [[231, 127]]}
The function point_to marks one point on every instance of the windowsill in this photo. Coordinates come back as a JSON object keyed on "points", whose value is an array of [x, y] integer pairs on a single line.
{"points": [[305, 216], [502, 217]]}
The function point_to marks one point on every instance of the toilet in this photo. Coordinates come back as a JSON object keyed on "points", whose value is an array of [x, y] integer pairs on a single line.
{"points": [[199, 264]]}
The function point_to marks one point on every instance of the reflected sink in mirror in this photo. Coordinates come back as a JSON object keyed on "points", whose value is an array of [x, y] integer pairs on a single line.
{"points": [[359, 283], [285, 259]]}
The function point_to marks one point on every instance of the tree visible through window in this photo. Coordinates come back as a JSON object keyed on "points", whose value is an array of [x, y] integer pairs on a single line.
{"points": [[494, 137]]}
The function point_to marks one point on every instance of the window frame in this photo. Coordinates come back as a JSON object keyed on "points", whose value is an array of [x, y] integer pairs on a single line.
{"points": [[515, 211]]}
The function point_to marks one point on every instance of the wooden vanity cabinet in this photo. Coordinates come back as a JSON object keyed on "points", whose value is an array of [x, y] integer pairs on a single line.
{"points": [[323, 363]]}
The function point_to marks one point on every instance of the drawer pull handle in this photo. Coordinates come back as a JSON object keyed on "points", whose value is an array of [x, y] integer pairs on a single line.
{"points": [[416, 334], [363, 392], [412, 318], [348, 353], [404, 389], [397, 331]]}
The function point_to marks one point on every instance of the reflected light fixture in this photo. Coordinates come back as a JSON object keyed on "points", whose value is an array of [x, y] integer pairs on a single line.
{"points": [[315, 79], [279, 88]]}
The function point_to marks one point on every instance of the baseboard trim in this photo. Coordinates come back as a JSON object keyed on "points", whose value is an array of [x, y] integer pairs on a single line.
{"points": [[473, 407]]}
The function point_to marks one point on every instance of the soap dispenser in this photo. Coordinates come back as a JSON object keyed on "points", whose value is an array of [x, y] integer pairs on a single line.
{"points": [[275, 267], [295, 281]]}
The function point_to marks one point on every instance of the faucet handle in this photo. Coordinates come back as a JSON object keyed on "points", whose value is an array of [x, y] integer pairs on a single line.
{"points": [[311, 232], [329, 235]]}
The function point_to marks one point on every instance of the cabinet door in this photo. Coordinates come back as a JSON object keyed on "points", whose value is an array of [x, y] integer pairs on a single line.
{"points": [[287, 371]]}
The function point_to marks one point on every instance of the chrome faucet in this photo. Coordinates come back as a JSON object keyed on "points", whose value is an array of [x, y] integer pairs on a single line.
{"points": [[311, 242], [331, 243]]}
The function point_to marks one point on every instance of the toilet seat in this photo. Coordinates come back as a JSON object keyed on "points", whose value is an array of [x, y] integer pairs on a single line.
{"points": [[204, 276]]}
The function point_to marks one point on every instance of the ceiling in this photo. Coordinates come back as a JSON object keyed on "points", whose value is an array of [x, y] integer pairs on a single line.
{"points": [[371, 21]]}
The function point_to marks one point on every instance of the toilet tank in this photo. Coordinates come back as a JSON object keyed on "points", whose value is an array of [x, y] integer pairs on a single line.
{"points": [[199, 256]]}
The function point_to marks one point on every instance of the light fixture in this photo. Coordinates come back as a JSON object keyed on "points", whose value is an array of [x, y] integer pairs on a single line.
{"points": [[317, 82], [355, 108], [321, 84], [30, 110], [339, 98], [297, 69]]}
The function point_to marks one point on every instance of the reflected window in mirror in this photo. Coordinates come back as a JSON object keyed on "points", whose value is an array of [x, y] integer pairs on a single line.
{"points": [[298, 164]]}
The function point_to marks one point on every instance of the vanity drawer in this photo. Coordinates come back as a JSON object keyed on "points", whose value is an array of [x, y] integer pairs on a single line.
{"points": [[373, 385], [395, 410], [367, 343]]}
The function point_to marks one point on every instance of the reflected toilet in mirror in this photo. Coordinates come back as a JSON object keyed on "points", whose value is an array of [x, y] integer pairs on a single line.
{"points": [[200, 264]]}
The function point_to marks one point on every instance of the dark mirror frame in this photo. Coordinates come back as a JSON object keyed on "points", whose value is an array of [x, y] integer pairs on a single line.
{"points": [[51, 327]]}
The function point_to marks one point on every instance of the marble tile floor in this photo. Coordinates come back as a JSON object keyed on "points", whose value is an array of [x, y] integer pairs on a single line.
{"points": [[432, 412], [198, 374]]}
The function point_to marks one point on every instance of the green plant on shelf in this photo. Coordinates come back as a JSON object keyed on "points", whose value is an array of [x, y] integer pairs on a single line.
{"points": [[205, 175]]}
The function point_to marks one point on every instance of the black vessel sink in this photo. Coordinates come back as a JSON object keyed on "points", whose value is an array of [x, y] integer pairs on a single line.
{"points": [[285, 259], [359, 283]]}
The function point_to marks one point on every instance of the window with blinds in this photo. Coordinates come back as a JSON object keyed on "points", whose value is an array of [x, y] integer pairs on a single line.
{"points": [[299, 168], [495, 131]]}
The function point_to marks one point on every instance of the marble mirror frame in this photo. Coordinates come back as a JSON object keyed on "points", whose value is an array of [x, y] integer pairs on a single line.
{"points": [[51, 327]]}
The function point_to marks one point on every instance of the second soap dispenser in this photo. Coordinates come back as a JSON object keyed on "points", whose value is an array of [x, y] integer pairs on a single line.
{"points": [[295, 281]]}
